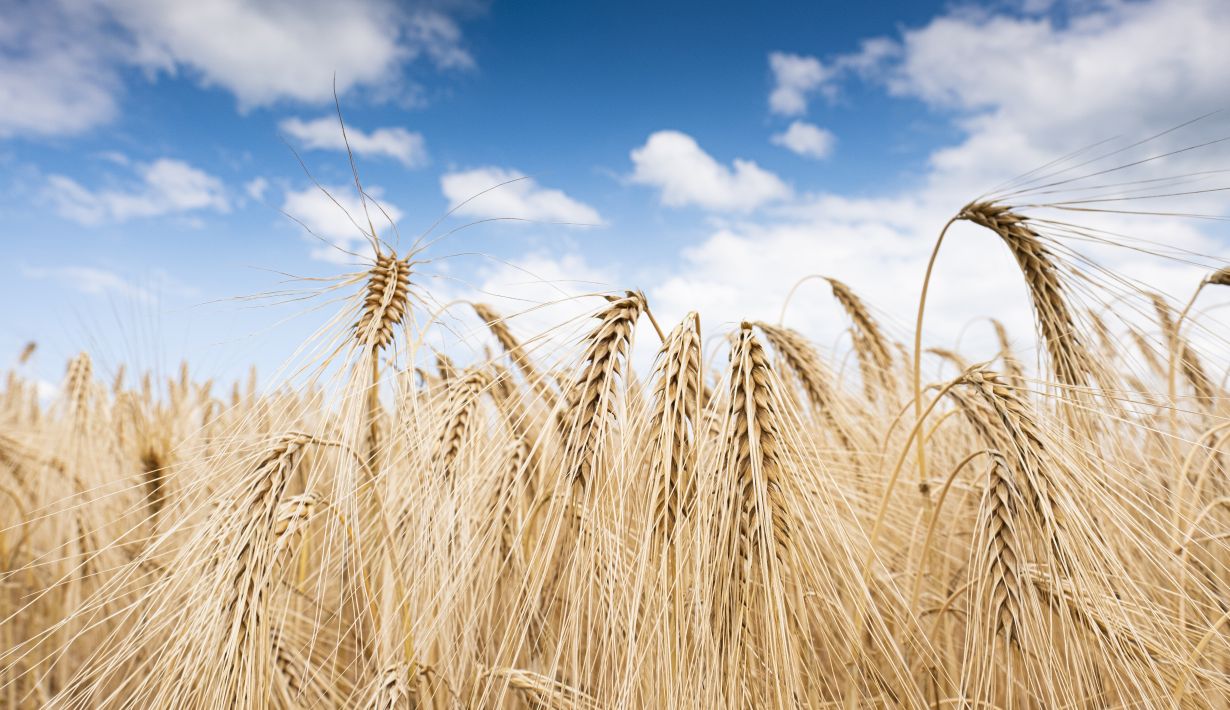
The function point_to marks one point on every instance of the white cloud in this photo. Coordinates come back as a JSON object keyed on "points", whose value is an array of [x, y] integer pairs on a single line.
{"points": [[339, 219], [326, 134], [115, 157], [516, 197], [94, 281], [438, 36], [166, 186], [686, 175], [806, 139], [795, 78], [256, 187], [63, 62], [88, 280]]}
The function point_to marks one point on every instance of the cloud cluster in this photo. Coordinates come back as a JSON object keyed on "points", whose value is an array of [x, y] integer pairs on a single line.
{"points": [[165, 186], [1019, 88], [797, 77]]}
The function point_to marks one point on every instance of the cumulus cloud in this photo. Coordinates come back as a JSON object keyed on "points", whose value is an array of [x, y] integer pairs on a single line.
{"points": [[516, 197], [63, 63], [324, 133], [337, 220], [685, 174], [165, 186], [806, 139]]}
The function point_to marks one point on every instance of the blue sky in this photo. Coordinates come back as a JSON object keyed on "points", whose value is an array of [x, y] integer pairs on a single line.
{"points": [[720, 151]]}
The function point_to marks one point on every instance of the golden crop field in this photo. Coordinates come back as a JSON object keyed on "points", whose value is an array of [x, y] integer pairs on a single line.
{"points": [[749, 522]]}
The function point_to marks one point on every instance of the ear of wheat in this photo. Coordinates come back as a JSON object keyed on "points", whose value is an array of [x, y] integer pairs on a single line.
{"points": [[591, 395], [761, 528], [674, 422], [385, 302], [1063, 340]]}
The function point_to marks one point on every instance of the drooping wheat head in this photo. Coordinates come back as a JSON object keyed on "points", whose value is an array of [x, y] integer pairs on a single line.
{"points": [[875, 359]]}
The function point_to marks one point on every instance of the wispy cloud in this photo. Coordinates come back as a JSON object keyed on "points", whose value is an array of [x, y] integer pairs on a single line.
{"points": [[59, 73], [94, 281], [325, 133], [256, 187]]}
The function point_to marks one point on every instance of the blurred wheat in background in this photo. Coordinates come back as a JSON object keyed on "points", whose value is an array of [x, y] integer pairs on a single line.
{"points": [[749, 522]]}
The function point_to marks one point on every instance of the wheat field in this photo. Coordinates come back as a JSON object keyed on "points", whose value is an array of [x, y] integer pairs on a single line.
{"points": [[748, 522]]}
